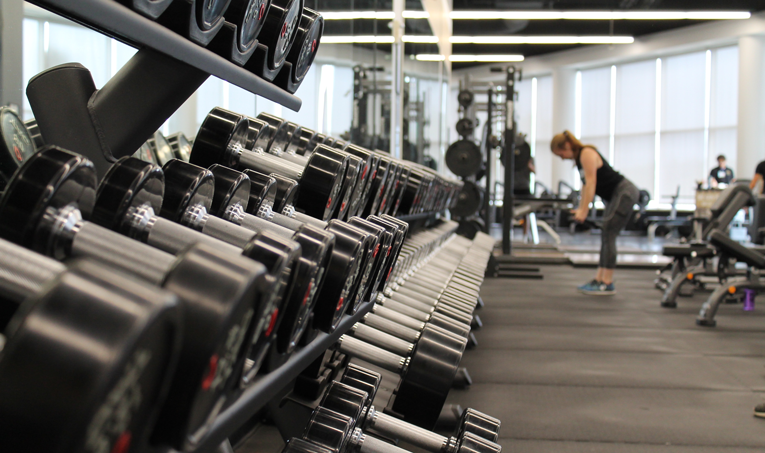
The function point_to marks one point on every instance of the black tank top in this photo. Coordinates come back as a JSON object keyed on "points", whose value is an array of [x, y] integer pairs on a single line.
{"points": [[608, 178]]}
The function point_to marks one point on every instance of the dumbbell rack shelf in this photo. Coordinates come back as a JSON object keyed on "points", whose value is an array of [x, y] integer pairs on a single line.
{"points": [[266, 386], [119, 22]]}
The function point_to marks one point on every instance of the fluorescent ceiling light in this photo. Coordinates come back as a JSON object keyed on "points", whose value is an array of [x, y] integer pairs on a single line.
{"points": [[379, 39], [471, 58], [422, 39], [485, 58], [541, 39], [382, 15], [600, 15], [429, 57], [382, 39]]}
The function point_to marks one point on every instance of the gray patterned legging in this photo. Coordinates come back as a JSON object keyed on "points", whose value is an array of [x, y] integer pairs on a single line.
{"points": [[618, 213]]}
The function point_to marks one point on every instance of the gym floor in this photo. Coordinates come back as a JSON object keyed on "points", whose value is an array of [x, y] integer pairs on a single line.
{"points": [[572, 373]]}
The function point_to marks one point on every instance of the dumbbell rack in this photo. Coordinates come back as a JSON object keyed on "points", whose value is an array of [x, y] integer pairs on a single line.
{"points": [[139, 102]]}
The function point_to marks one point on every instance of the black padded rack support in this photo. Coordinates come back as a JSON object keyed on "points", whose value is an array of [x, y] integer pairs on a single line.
{"points": [[257, 395]]}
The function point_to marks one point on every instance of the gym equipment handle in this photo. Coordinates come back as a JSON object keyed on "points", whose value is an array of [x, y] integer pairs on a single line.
{"points": [[23, 272], [382, 339], [407, 432], [372, 354], [173, 238], [391, 327], [368, 444], [122, 252], [397, 317]]}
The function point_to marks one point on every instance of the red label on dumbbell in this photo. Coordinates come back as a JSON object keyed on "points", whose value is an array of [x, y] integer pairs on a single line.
{"points": [[340, 304], [212, 367], [123, 442], [307, 293], [377, 250], [272, 323], [364, 173]]}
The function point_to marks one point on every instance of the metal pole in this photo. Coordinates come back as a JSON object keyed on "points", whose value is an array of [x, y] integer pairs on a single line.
{"points": [[397, 93], [489, 167], [509, 139]]}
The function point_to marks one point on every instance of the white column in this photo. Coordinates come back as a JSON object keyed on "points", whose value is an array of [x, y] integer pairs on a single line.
{"points": [[185, 118], [751, 104], [397, 89], [11, 48], [564, 117]]}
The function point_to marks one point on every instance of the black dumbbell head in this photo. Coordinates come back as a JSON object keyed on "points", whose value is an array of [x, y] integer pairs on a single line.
{"points": [[280, 29], [286, 191], [186, 185], [363, 379], [51, 178], [231, 188], [262, 191], [248, 17], [329, 429], [347, 400], [16, 145], [312, 25], [129, 184], [181, 146], [221, 132], [210, 12]]}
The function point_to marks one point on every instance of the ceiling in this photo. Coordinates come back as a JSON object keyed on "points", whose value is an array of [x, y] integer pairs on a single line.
{"points": [[635, 28]]}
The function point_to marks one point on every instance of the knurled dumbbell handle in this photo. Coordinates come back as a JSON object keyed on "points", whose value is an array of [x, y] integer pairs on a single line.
{"points": [[270, 164], [23, 273], [372, 354], [382, 339], [427, 440], [369, 444], [398, 317], [122, 252], [173, 238], [392, 327], [227, 232]]}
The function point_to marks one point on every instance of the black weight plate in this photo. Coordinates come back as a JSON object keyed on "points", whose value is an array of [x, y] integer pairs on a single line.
{"points": [[465, 98], [98, 387], [51, 178], [347, 400], [428, 379], [398, 233], [469, 228], [279, 30], [221, 132], [34, 133], [262, 191], [248, 17], [353, 280], [181, 146], [353, 179], [370, 244], [15, 147], [398, 191], [465, 127], [306, 45], [329, 429], [362, 379], [209, 12], [161, 148], [232, 188], [385, 244], [286, 191], [300, 145], [374, 163], [221, 311], [186, 185], [321, 183], [464, 158], [128, 184], [378, 186], [469, 201]]}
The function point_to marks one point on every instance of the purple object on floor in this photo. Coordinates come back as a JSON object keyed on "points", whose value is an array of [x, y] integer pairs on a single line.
{"points": [[749, 299]]}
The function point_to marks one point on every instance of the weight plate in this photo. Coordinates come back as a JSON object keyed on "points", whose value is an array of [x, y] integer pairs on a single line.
{"points": [[469, 228], [279, 30], [308, 38], [465, 127], [145, 154], [52, 178], [221, 135], [469, 200], [248, 17], [464, 158], [209, 12], [465, 98], [286, 191], [128, 184], [262, 191], [161, 149], [186, 185], [181, 146], [17, 144]]}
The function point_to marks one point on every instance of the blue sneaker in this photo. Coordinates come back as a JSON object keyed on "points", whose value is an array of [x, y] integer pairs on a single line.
{"points": [[589, 286], [595, 288]]}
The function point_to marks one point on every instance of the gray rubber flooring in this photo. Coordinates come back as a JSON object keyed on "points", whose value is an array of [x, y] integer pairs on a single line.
{"points": [[571, 373]]}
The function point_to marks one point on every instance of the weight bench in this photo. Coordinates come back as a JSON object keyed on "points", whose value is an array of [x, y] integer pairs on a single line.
{"points": [[724, 209], [747, 286]]}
